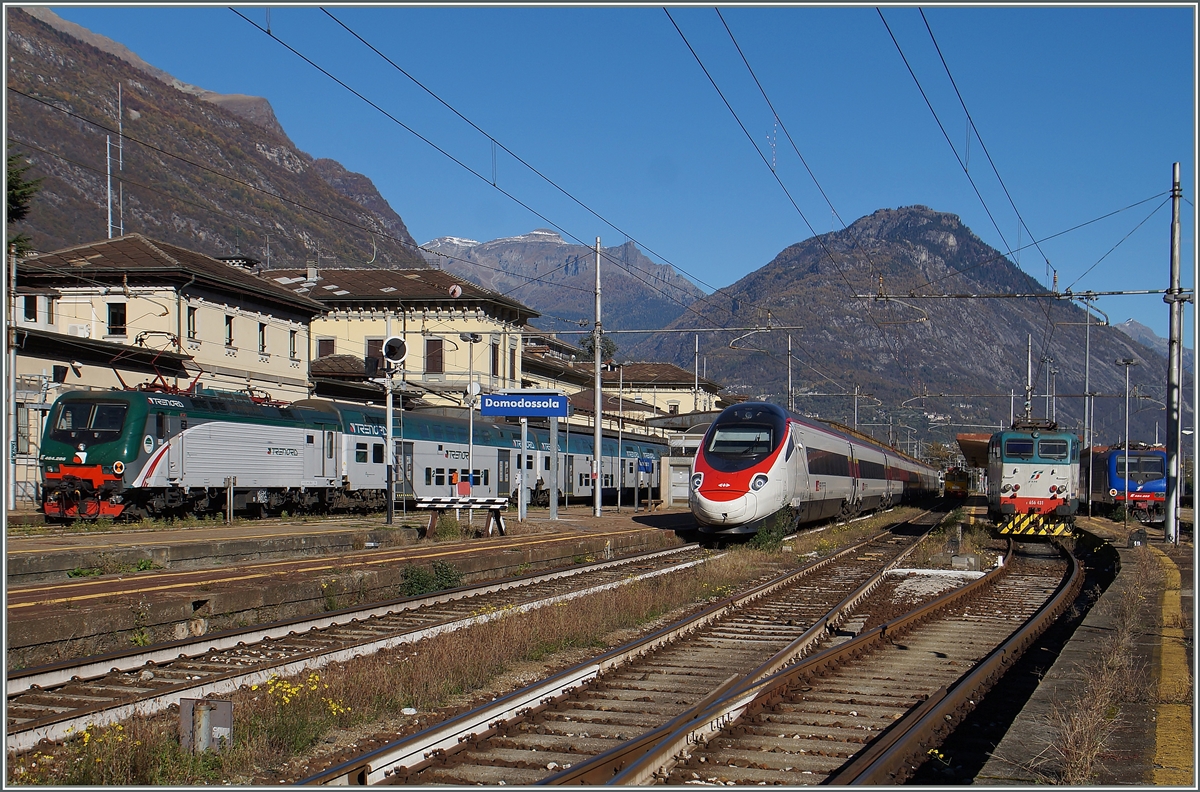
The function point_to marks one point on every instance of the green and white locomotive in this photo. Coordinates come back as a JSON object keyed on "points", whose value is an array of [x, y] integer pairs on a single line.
{"points": [[135, 454]]}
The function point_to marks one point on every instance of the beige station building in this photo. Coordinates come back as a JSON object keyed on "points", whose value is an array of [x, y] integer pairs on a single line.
{"points": [[134, 312]]}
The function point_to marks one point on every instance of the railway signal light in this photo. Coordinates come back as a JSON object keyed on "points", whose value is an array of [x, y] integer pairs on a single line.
{"points": [[395, 350]]}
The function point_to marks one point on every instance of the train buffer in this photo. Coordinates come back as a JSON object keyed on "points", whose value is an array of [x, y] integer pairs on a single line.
{"points": [[438, 506]]}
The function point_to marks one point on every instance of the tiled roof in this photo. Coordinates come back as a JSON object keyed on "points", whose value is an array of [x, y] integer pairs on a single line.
{"points": [[660, 374], [356, 286], [139, 260], [585, 401]]}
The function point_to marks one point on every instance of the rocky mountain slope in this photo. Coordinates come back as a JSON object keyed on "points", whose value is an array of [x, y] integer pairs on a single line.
{"points": [[1147, 337], [558, 279], [905, 351], [180, 143]]}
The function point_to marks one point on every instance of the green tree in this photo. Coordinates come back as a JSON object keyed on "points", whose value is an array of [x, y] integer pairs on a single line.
{"points": [[608, 348], [20, 195]]}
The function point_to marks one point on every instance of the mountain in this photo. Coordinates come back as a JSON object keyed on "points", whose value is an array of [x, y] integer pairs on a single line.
{"points": [[906, 350], [558, 279], [1147, 337], [179, 144]]}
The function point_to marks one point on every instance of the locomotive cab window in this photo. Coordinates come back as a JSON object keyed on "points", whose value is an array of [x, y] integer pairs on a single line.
{"points": [[741, 440], [1018, 448], [75, 421], [360, 452], [1052, 449]]}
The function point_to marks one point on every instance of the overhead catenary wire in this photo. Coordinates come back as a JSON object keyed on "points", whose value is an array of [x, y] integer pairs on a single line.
{"points": [[820, 240], [482, 177], [241, 182]]}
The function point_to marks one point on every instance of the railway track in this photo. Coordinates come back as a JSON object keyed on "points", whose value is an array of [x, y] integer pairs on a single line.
{"points": [[49, 701], [866, 711], [597, 707]]}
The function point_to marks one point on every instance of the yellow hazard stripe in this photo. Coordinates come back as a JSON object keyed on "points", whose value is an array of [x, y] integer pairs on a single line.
{"points": [[1034, 525], [1173, 721]]}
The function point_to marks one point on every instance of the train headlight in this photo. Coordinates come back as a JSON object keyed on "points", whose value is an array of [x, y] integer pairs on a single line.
{"points": [[1006, 488], [1016, 487], [758, 482], [697, 480]]}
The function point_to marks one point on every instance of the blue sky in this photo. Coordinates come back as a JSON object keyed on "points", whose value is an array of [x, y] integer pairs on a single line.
{"points": [[1082, 110]]}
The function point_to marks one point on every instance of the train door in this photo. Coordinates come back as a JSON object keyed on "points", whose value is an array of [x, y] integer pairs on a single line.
{"points": [[503, 473], [175, 427], [797, 468], [327, 454], [404, 484], [569, 489], [314, 453]]}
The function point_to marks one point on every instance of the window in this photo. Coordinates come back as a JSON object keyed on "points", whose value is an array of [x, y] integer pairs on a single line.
{"points": [[673, 408], [546, 462], [377, 453], [529, 461], [116, 319], [428, 476], [49, 310], [741, 440], [262, 338], [439, 477], [1052, 449], [512, 363], [31, 308], [360, 452], [292, 344], [325, 347], [191, 323], [329, 445], [1019, 448], [496, 359], [22, 429], [375, 352], [827, 463], [228, 330], [433, 356]]}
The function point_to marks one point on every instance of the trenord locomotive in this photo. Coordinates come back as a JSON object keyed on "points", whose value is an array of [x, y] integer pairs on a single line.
{"points": [[134, 454], [760, 467], [1104, 476], [1033, 479]]}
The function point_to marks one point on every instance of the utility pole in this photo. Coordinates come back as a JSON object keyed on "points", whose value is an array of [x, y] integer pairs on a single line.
{"points": [[108, 170], [696, 369], [1029, 377], [1174, 299], [597, 438], [1126, 362], [791, 401], [390, 455], [10, 328]]}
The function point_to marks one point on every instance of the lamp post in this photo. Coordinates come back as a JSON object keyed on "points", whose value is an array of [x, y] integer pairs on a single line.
{"points": [[1126, 362], [472, 392], [620, 431]]}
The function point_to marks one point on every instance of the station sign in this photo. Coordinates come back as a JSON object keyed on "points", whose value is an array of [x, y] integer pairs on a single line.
{"points": [[530, 404]]}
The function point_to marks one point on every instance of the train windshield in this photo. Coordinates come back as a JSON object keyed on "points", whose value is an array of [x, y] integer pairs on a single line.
{"points": [[92, 422], [1052, 449], [1018, 448], [1142, 468], [743, 436], [744, 440]]}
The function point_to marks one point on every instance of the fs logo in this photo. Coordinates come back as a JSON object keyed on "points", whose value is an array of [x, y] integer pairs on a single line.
{"points": [[1035, 475]]}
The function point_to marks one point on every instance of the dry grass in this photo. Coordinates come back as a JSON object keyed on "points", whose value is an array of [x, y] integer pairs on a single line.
{"points": [[1084, 723], [277, 722]]}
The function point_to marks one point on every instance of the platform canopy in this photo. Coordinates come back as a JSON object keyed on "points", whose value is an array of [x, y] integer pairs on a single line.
{"points": [[974, 448]]}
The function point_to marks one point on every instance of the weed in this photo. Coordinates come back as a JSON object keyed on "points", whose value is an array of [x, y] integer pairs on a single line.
{"points": [[144, 564], [447, 528], [140, 637], [79, 572]]}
